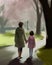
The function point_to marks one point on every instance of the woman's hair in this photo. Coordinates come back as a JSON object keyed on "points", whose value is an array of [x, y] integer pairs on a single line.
{"points": [[31, 33], [20, 24]]}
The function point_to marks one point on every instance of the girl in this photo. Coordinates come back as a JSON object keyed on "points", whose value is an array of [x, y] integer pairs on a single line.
{"points": [[31, 43]]}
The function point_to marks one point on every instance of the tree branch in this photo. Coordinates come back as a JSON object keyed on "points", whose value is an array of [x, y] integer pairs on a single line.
{"points": [[41, 12], [37, 7]]}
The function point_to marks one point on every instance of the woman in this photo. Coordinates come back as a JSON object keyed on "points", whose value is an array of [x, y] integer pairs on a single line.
{"points": [[20, 38]]}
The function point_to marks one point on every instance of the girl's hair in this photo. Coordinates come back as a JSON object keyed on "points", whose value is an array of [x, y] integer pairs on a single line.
{"points": [[31, 33]]}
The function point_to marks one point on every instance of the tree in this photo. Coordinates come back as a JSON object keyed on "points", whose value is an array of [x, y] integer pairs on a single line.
{"points": [[1, 8], [3, 20], [39, 14], [48, 20]]}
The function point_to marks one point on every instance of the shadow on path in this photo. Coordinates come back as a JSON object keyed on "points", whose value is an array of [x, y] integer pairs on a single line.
{"points": [[28, 61]]}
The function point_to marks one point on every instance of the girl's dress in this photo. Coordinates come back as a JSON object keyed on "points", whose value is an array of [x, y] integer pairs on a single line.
{"points": [[31, 42]]}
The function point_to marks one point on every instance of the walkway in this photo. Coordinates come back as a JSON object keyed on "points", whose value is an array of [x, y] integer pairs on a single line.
{"points": [[9, 53]]}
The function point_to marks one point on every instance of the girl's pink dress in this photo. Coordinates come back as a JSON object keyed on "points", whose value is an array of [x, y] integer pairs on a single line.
{"points": [[31, 42]]}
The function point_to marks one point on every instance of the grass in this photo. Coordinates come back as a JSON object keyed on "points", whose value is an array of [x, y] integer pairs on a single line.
{"points": [[45, 55], [39, 37], [8, 38]]}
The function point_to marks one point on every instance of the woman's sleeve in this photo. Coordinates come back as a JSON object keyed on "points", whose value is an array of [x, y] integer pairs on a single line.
{"points": [[24, 36], [15, 35]]}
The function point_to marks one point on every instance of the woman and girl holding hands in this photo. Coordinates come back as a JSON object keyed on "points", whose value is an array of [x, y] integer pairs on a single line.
{"points": [[20, 38]]}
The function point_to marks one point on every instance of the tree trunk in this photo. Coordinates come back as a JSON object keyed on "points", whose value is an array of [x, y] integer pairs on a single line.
{"points": [[38, 26], [2, 30], [39, 14], [48, 20]]}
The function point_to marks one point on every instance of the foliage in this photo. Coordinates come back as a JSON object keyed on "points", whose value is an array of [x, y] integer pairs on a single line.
{"points": [[39, 37]]}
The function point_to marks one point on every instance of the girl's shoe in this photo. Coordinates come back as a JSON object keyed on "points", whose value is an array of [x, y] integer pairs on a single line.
{"points": [[31, 57], [19, 57]]}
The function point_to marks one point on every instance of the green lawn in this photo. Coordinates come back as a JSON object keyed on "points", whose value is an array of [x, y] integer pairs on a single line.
{"points": [[45, 55], [39, 37], [8, 38]]}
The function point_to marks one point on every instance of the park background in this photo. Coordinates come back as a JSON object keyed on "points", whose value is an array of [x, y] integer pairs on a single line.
{"points": [[31, 14], [13, 11]]}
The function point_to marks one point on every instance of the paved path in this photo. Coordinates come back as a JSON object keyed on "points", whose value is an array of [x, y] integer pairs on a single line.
{"points": [[9, 53]]}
